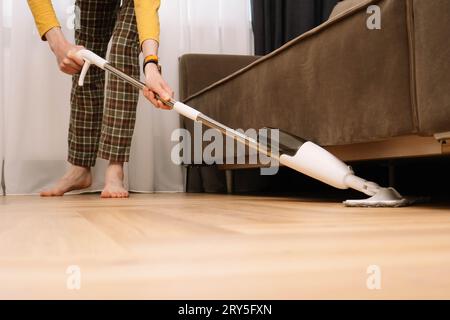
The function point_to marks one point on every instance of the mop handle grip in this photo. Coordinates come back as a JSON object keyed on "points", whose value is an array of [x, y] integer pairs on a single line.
{"points": [[89, 58]]}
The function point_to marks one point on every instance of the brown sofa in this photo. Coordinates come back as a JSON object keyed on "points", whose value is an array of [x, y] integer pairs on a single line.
{"points": [[363, 94]]}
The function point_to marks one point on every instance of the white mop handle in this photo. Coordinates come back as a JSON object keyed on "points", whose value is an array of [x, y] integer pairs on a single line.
{"points": [[186, 111], [92, 58], [89, 58]]}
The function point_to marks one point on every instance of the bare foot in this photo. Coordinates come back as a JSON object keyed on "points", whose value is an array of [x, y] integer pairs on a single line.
{"points": [[76, 178], [114, 182]]}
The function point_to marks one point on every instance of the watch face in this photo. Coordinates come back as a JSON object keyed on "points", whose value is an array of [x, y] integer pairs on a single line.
{"points": [[153, 62]]}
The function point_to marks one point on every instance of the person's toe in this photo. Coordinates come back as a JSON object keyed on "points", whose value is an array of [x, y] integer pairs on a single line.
{"points": [[57, 193], [50, 193], [44, 193], [105, 194]]}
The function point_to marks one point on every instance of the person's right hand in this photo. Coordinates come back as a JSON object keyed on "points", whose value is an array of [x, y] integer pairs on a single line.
{"points": [[156, 85], [65, 52]]}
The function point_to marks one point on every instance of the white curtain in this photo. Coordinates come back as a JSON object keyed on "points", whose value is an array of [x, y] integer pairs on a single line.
{"points": [[34, 109], [2, 96]]}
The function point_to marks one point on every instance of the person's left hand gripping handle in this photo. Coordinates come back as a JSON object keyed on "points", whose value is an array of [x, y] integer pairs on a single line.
{"points": [[65, 52]]}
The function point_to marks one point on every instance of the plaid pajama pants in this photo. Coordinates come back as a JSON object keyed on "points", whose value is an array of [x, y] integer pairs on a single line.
{"points": [[102, 121]]}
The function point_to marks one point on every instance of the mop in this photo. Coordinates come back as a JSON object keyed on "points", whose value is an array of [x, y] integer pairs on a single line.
{"points": [[308, 158]]}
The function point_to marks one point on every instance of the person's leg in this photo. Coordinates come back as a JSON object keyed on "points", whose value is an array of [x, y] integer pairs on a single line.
{"points": [[121, 102], [96, 23]]}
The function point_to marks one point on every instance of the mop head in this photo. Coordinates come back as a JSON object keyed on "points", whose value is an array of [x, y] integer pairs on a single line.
{"points": [[385, 198]]}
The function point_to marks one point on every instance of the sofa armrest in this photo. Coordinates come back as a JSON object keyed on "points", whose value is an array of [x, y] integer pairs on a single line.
{"points": [[198, 71]]}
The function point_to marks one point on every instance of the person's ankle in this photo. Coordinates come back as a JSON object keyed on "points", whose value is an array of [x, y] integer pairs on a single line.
{"points": [[81, 169], [116, 164], [115, 167], [115, 171]]}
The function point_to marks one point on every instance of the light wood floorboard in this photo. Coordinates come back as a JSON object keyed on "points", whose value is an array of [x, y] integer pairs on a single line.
{"points": [[195, 246]]}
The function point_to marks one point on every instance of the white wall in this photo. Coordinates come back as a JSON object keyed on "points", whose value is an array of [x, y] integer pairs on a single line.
{"points": [[35, 108]]}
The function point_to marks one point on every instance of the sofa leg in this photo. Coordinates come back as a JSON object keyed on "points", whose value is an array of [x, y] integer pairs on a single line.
{"points": [[229, 179], [185, 178], [193, 178], [391, 172]]}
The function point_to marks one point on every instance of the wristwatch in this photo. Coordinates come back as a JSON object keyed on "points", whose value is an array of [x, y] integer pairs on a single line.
{"points": [[151, 59]]}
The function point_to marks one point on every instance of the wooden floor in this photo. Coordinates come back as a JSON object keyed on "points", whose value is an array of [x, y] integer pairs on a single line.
{"points": [[184, 246]]}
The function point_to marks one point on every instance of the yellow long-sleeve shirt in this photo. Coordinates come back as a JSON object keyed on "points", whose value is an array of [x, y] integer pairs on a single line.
{"points": [[147, 17]]}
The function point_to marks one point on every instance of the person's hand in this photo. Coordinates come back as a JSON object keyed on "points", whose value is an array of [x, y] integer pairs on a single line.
{"points": [[156, 84], [65, 52], [68, 61]]}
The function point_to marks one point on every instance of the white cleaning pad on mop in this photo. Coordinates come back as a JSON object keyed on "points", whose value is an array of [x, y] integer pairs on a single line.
{"points": [[385, 197]]}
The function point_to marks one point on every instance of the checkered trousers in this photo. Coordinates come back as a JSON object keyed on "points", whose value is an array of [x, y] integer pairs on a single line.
{"points": [[102, 121]]}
